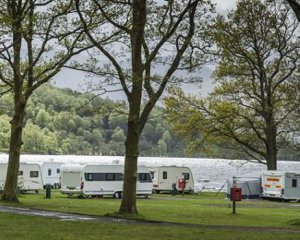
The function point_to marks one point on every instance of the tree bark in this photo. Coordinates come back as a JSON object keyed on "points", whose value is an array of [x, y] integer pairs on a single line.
{"points": [[128, 204], [10, 188], [295, 5], [271, 145], [11, 183]]}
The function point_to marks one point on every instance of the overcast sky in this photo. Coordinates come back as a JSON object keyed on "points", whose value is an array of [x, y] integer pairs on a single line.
{"points": [[75, 80], [224, 5]]}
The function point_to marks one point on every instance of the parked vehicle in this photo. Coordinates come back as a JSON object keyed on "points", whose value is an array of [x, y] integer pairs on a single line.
{"points": [[51, 173], [29, 179], [166, 178], [99, 180], [282, 185]]}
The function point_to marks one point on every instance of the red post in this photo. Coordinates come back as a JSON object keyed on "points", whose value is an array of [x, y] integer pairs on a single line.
{"points": [[235, 195]]}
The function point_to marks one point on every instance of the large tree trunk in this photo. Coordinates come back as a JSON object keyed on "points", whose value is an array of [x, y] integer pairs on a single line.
{"points": [[271, 144], [271, 156], [128, 204], [11, 183], [10, 188]]}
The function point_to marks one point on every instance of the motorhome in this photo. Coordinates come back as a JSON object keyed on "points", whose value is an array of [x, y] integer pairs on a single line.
{"points": [[29, 179], [51, 173], [166, 178], [282, 185], [99, 180]]}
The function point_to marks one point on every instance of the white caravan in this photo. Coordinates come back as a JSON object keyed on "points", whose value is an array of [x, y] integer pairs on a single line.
{"points": [[51, 173], [165, 178], [281, 185], [29, 179], [98, 180]]}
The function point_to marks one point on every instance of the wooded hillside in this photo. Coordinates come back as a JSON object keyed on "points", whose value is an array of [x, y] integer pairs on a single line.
{"points": [[62, 121]]}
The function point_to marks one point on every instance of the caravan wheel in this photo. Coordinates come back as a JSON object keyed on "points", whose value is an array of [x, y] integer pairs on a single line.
{"points": [[117, 195]]}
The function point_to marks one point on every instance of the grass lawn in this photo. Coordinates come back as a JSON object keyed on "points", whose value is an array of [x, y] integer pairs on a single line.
{"points": [[197, 209]]}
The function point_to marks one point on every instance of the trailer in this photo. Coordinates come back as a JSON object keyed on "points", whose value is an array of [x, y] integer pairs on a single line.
{"points": [[283, 185], [29, 178], [167, 178], [98, 180], [51, 173]]}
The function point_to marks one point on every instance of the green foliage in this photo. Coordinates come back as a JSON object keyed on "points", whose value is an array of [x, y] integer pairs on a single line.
{"points": [[4, 131], [62, 121], [252, 112]]}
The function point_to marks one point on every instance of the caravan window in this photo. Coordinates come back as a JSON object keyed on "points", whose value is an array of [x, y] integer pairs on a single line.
{"points": [[144, 177], [186, 176], [114, 176], [20, 173], [103, 176], [49, 171], [119, 177], [89, 176], [57, 170], [94, 176], [152, 174], [110, 176], [165, 175], [294, 182], [34, 174]]}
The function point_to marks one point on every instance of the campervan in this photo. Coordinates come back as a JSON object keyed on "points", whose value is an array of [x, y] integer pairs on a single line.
{"points": [[166, 178], [51, 173], [29, 178], [282, 185], [99, 180]]}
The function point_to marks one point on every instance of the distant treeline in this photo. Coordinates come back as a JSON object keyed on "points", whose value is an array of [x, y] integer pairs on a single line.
{"points": [[62, 121]]}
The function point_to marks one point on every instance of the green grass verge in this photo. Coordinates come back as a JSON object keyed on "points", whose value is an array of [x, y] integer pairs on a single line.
{"points": [[196, 209]]}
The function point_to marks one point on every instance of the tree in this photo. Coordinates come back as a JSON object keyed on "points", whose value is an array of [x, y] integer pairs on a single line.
{"points": [[4, 133], [162, 148], [43, 118], [144, 35], [252, 110], [37, 39], [34, 139], [295, 5]]}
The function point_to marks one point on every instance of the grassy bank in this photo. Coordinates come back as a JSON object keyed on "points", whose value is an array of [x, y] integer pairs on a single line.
{"points": [[200, 209]]}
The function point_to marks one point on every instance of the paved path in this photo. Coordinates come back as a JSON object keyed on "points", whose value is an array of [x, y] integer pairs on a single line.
{"points": [[82, 217]]}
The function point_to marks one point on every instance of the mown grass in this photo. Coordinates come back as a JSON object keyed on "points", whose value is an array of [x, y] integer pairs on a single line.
{"points": [[14, 227], [200, 209]]}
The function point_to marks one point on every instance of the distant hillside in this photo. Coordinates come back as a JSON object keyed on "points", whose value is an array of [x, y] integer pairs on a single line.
{"points": [[64, 121]]}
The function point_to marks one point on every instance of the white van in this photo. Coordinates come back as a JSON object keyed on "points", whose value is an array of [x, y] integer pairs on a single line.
{"points": [[29, 179], [281, 185], [165, 178], [98, 180]]}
